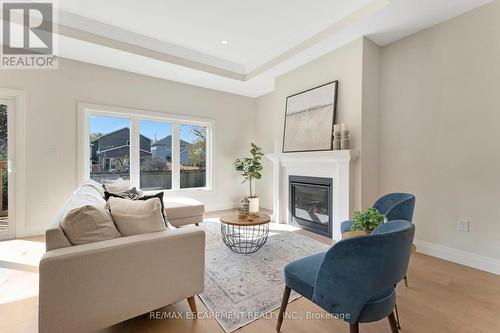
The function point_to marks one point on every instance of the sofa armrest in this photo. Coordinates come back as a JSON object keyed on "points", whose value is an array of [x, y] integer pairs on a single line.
{"points": [[92, 286]]}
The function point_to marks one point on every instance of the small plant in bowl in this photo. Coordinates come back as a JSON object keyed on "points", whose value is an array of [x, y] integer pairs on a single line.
{"points": [[367, 220]]}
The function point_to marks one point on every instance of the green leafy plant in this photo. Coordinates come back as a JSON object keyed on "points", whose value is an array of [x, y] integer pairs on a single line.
{"points": [[368, 220], [250, 167]]}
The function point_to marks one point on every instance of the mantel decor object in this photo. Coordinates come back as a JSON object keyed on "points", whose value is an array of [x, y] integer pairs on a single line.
{"points": [[344, 141], [336, 137], [309, 119]]}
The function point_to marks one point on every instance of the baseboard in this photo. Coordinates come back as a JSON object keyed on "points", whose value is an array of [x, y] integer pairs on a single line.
{"points": [[234, 205], [267, 204], [487, 264], [221, 206]]}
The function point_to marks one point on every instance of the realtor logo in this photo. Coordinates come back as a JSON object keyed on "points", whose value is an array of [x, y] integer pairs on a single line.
{"points": [[28, 35]]}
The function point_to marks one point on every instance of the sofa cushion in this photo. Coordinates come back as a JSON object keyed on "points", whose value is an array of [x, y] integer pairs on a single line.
{"points": [[93, 186], [89, 224], [133, 217], [116, 186], [54, 235], [178, 208], [158, 195], [87, 194], [132, 193], [84, 195]]}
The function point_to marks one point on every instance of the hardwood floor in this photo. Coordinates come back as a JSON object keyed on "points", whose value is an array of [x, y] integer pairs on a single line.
{"points": [[441, 297]]}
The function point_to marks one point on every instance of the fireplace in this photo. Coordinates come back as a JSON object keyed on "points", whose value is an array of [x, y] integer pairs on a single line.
{"points": [[310, 200]]}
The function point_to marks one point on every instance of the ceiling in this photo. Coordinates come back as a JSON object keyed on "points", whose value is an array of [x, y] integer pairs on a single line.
{"points": [[180, 40]]}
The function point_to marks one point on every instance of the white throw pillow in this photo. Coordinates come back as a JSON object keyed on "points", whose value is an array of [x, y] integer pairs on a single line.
{"points": [[133, 217], [90, 183], [116, 186], [89, 224]]}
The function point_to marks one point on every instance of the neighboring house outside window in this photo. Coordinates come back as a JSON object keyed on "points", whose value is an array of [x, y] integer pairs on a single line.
{"points": [[163, 149], [110, 152]]}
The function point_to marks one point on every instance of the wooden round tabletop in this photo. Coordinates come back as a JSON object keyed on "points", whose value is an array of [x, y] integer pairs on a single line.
{"points": [[245, 220]]}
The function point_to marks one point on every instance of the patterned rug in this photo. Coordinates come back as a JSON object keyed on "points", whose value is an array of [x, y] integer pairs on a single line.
{"points": [[241, 288]]}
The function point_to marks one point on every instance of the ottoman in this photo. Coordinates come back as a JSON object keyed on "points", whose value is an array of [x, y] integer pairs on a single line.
{"points": [[183, 211]]}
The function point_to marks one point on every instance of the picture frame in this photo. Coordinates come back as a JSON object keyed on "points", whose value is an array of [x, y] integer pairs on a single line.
{"points": [[309, 119]]}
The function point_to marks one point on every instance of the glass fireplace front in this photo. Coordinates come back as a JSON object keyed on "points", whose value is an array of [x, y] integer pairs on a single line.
{"points": [[310, 200]]}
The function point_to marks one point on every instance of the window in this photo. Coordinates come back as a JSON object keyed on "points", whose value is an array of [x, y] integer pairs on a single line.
{"points": [[156, 151], [193, 152], [109, 153], [156, 156]]}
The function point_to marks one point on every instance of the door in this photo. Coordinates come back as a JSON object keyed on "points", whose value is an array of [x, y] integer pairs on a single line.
{"points": [[7, 223]]}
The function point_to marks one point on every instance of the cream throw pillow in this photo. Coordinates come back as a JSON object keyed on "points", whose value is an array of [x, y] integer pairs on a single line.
{"points": [[116, 186], [89, 224], [133, 217]]}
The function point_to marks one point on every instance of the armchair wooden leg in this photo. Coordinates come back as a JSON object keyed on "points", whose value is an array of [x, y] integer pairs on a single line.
{"points": [[392, 323], [406, 282], [192, 304], [354, 328], [284, 303], [397, 315]]}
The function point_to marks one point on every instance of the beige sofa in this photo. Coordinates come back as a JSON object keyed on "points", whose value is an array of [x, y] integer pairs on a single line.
{"points": [[88, 287]]}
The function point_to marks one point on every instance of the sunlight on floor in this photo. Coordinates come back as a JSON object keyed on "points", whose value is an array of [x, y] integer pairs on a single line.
{"points": [[16, 285], [22, 252], [19, 261]]}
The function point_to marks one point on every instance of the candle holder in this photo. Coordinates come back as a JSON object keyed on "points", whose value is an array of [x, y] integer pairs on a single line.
{"points": [[344, 141], [336, 137]]}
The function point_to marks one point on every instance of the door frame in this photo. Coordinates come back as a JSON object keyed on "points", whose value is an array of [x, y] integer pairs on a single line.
{"points": [[15, 101]]}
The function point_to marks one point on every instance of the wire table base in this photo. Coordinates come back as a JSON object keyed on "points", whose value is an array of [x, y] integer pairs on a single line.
{"points": [[244, 239]]}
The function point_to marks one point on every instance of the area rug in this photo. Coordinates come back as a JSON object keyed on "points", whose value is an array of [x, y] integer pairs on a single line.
{"points": [[242, 288]]}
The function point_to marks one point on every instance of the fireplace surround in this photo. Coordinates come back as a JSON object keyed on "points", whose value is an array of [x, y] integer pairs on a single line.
{"points": [[336, 165]]}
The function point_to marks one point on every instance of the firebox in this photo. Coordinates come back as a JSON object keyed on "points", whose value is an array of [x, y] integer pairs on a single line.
{"points": [[310, 201]]}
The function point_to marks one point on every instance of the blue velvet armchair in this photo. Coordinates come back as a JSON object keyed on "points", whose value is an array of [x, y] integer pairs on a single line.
{"points": [[354, 280], [395, 206]]}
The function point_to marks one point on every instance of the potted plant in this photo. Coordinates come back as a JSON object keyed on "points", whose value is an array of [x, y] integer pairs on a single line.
{"points": [[251, 168], [366, 221]]}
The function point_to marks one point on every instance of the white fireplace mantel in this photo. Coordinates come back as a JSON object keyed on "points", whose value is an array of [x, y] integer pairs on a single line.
{"points": [[334, 164]]}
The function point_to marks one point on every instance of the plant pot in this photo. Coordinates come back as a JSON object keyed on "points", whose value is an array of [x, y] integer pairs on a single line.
{"points": [[253, 205]]}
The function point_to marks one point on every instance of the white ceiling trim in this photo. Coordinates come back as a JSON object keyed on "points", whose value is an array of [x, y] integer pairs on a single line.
{"points": [[85, 29], [80, 24], [383, 21]]}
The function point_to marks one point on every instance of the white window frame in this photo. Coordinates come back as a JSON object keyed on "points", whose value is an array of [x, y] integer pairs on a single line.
{"points": [[86, 110]]}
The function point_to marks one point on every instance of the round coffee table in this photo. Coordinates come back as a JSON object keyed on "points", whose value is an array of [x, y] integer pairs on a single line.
{"points": [[245, 234]]}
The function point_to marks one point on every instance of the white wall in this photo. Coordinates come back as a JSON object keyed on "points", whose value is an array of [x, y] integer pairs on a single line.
{"points": [[267, 121], [356, 67], [370, 185], [344, 65], [440, 133], [51, 128]]}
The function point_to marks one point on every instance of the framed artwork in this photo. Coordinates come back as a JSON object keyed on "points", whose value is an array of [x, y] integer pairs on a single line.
{"points": [[309, 119]]}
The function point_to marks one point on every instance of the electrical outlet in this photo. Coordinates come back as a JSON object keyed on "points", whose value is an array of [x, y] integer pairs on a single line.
{"points": [[463, 225]]}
